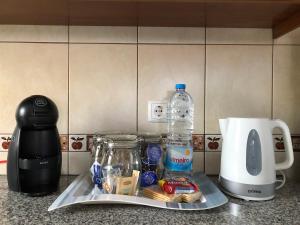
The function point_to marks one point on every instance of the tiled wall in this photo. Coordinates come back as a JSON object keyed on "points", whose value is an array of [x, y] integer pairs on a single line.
{"points": [[101, 79]]}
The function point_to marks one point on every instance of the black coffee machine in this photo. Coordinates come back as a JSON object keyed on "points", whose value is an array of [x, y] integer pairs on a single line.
{"points": [[34, 156]]}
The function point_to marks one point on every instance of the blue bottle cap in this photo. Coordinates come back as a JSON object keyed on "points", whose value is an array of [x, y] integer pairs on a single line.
{"points": [[180, 86]]}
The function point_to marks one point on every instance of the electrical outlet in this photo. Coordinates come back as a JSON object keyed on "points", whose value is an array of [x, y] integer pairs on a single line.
{"points": [[157, 111]]}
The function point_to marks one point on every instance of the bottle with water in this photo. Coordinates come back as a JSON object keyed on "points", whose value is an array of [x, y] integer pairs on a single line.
{"points": [[180, 126]]}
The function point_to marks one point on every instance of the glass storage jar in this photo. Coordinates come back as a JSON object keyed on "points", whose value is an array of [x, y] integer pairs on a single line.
{"points": [[119, 158]]}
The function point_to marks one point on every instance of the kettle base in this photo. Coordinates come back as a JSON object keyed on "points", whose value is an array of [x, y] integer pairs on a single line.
{"points": [[248, 192], [246, 198]]}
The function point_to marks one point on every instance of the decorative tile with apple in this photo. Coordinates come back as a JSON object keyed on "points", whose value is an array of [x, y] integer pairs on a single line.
{"points": [[5, 140], [278, 143], [198, 142], [77, 143], [64, 143], [213, 143]]}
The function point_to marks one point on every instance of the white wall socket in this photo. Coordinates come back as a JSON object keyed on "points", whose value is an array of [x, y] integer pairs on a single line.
{"points": [[157, 111]]}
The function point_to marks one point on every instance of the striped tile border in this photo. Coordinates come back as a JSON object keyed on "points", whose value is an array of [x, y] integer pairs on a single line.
{"points": [[5, 140], [208, 142], [213, 143]]}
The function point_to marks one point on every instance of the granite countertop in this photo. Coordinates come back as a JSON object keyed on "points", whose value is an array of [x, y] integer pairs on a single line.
{"points": [[16, 208]]}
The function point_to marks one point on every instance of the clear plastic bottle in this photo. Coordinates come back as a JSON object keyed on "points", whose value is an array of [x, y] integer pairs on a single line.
{"points": [[180, 127]]}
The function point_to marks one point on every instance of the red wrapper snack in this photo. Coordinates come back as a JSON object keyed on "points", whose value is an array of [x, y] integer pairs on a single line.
{"points": [[178, 185]]}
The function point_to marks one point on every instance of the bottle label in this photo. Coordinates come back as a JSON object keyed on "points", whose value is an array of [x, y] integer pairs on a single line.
{"points": [[179, 158]]}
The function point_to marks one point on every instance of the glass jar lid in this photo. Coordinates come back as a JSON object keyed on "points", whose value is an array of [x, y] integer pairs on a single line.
{"points": [[150, 138], [121, 140]]}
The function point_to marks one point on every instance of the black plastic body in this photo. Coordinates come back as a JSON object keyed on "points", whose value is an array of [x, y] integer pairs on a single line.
{"points": [[34, 156]]}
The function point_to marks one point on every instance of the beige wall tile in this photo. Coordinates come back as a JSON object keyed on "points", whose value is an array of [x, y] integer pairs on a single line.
{"points": [[238, 36], [238, 83], [160, 68], [172, 35], [33, 33], [293, 172], [286, 90], [212, 163], [28, 69], [103, 88], [103, 34], [79, 162], [3, 157], [292, 37], [198, 161], [65, 161]]}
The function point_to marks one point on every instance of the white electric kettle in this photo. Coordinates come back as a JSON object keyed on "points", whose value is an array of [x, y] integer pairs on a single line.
{"points": [[248, 168]]}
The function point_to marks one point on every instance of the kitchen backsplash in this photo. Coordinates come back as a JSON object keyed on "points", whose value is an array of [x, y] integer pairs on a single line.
{"points": [[101, 79]]}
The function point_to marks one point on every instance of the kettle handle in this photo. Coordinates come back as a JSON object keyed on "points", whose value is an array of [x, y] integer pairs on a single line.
{"points": [[289, 154]]}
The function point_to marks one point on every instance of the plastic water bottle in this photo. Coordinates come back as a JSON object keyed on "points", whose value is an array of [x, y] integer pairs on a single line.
{"points": [[180, 126]]}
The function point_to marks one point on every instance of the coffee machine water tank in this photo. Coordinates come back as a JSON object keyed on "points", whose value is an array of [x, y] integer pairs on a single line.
{"points": [[34, 156]]}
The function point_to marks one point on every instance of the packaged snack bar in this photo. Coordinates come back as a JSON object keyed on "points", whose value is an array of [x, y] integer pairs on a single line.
{"points": [[178, 185], [154, 192]]}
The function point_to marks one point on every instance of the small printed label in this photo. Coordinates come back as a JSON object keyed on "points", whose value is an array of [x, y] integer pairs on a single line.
{"points": [[179, 158]]}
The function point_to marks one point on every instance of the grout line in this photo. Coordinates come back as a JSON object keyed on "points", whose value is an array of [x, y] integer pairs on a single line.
{"points": [[101, 43], [239, 44], [272, 86], [204, 89], [286, 44], [33, 42], [205, 44], [126, 43], [68, 166], [137, 79]]}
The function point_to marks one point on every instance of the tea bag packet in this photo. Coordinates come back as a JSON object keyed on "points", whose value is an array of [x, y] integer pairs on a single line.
{"points": [[136, 176], [127, 185], [124, 185], [109, 180]]}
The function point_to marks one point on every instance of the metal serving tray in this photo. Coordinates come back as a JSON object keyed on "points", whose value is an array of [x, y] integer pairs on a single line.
{"points": [[82, 191]]}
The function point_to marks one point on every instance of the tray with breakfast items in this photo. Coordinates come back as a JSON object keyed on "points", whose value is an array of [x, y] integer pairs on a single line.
{"points": [[83, 191], [128, 169]]}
